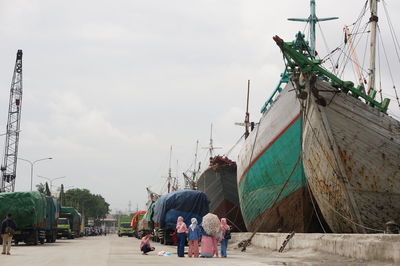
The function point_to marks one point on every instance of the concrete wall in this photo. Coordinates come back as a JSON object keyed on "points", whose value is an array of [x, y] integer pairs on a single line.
{"points": [[379, 247]]}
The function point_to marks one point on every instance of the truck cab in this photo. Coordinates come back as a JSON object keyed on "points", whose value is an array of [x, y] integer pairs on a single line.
{"points": [[125, 229], [64, 228]]}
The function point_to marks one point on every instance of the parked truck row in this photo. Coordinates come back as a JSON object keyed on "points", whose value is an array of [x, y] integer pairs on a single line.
{"points": [[40, 218]]}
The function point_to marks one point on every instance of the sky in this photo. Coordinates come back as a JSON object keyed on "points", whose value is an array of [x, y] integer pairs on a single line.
{"points": [[109, 86]]}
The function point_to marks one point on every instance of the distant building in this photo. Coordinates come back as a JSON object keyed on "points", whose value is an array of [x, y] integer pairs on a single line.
{"points": [[109, 224]]}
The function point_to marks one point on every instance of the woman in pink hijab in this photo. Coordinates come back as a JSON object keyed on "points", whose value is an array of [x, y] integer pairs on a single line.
{"points": [[181, 230], [226, 235]]}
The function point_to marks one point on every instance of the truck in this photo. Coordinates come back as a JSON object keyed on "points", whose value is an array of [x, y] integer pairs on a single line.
{"points": [[124, 226], [52, 214], [30, 213], [186, 203], [69, 223], [137, 223]]}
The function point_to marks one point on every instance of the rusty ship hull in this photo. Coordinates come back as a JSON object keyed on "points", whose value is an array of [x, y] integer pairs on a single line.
{"points": [[352, 161], [218, 182]]}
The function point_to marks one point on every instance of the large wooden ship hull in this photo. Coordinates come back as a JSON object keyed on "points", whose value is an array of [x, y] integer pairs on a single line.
{"points": [[351, 160], [218, 182], [273, 190]]}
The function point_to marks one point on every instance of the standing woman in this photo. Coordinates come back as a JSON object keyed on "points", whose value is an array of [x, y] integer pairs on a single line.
{"points": [[181, 230], [226, 235], [194, 237]]}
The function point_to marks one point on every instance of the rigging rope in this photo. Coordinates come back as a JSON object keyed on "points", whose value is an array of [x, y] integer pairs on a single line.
{"points": [[390, 70], [247, 242], [234, 146], [334, 171]]}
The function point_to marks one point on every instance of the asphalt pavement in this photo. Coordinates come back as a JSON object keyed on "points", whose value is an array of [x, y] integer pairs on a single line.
{"points": [[112, 250]]}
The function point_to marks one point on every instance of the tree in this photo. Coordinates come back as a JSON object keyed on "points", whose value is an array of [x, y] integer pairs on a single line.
{"points": [[47, 190], [41, 188], [90, 205], [62, 195]]}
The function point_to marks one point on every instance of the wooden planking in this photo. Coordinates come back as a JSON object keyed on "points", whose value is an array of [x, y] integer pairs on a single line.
{"points": [[369, 149], [280, 114]]}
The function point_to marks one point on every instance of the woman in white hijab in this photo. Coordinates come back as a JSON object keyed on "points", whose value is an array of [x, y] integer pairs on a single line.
{"points": [[194, 237]]}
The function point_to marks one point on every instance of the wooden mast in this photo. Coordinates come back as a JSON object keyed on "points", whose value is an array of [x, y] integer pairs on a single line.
{"points": [[372, 52]]}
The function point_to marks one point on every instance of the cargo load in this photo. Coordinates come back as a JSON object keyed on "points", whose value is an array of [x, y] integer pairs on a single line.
{"points": [[186, 203], [29, 211], [137, 224]]}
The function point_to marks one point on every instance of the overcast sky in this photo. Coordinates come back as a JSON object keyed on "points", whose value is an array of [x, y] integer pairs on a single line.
{"points": [[110, 85]]}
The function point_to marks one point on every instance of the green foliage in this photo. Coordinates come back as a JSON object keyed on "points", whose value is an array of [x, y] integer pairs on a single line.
{"points": [[47, 190], [62, 196], [41, 188], [90, 205]]}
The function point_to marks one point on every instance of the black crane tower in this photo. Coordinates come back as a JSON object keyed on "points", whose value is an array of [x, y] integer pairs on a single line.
{"points": [[9, 165]]}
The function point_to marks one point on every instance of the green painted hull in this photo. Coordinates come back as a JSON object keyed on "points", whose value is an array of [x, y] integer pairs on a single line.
{"points": [[272, 186]]}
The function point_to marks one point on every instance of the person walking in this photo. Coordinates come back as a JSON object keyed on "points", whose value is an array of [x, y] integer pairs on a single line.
{"points": [[8, 228], [181, 230], [225, 236], [194, 237], [145, 246]]}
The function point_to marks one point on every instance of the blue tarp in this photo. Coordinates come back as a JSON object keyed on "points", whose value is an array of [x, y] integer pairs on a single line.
{"points": [[186, 203]]}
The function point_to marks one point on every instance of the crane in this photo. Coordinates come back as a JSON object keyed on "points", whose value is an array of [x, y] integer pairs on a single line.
{"points": [[356, 62], [9, 165]]}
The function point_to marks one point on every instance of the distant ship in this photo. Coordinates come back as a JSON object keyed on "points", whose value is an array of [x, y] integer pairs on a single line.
{"points": [[218, 182]]}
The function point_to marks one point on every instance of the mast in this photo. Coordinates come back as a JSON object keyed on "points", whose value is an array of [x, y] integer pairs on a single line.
{"points": [[169, 171], [372, 52], [313, 20], [211, 147], [195, 161], [9, 166], [247, 117], [356, 62]]}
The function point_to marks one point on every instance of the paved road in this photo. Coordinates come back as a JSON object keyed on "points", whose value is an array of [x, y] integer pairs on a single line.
{"points": [[115, 251]]}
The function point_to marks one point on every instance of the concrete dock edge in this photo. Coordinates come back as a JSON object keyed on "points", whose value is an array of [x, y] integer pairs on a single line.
{"points": [[377, 247]]}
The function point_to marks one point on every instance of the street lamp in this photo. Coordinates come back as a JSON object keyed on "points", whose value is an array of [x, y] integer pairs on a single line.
{"points": [[51, 180], [32, 163]]}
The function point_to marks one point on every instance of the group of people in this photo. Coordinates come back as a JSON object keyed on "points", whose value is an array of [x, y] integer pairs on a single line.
{"points": [[195, 235]]}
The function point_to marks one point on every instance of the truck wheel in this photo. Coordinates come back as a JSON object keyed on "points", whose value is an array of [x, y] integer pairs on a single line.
{"points": [[16, 243], [35, 238], [41, 241]]}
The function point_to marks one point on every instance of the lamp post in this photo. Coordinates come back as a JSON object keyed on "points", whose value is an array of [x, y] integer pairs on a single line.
{"points": [[32, 163], [51, 180]]}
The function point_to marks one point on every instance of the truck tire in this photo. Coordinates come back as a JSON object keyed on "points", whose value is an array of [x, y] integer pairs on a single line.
{"points": [[41, 241], [35, 237]]}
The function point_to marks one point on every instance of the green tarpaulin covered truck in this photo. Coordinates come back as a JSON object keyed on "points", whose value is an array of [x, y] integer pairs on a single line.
{"points": [[34, 213], [52, 214]]}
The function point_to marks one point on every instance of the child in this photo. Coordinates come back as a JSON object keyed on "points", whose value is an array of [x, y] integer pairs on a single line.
{"points": [[145, 244], [194, 237]]}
